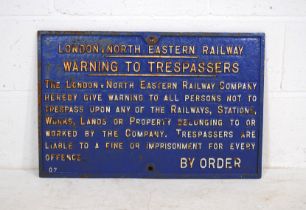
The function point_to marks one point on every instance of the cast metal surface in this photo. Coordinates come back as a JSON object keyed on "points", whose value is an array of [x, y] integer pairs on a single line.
{"points": [[144, 163]]}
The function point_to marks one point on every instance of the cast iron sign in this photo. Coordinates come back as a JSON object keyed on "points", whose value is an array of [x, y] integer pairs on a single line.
{"points": [[153, 105]]}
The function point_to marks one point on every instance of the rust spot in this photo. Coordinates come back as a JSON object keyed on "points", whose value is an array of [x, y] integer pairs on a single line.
{"points": [[84, 176]]}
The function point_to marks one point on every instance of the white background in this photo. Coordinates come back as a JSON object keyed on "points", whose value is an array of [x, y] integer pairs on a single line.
{"points": [[283, 22]]}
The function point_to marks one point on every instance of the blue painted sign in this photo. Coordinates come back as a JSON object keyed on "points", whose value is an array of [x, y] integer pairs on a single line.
{"points": [[150, 105]]}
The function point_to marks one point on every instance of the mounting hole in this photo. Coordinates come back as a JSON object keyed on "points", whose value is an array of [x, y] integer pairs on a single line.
{"points": [[151, 40], [150, 168]]}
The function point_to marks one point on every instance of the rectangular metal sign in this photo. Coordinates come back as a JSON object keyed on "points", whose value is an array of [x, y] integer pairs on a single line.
{"points": [[150, 104]]}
